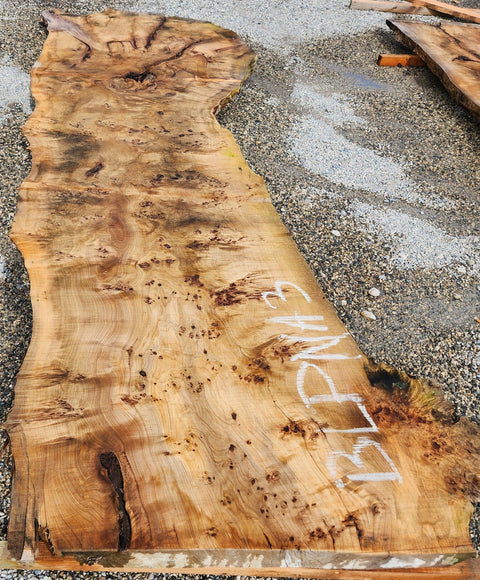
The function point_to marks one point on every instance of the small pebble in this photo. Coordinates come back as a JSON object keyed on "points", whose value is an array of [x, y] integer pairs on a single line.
{"points": [[457, 296], [343, 302], [336, 233], [374, 292], [368, 314]]}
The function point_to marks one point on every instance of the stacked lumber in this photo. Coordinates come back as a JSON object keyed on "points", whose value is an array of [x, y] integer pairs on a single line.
{"points": [[189, 400], [449, 49]]}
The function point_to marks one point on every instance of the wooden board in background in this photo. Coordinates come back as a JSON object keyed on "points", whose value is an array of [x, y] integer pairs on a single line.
{"points": [[468, 14], [451, 51], [189, 399], [388, 6]]}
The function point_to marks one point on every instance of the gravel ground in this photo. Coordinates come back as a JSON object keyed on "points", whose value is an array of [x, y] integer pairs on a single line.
{"points": [[373, 170]]}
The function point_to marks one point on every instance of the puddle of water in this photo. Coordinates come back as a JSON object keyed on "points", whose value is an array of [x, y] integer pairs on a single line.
{"points": [[356, 79]]}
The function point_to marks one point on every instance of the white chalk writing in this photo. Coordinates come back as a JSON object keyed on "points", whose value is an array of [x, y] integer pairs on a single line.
{"points": [[362, 443], [302, 322], [280, 294], [334, 397], [316, 353]]}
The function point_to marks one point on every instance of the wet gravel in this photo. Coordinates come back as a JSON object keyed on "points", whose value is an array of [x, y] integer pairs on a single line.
{"points": [[428, 302]]}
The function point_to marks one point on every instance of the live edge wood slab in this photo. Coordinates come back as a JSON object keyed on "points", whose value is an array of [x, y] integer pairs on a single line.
{"points": [[190, 400], [451, 51]]}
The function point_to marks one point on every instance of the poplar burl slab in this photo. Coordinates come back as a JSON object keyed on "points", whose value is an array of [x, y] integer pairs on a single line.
{"points": [[189, 399]]}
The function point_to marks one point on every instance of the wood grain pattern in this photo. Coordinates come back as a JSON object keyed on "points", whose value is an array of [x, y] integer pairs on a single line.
{"points": [[189, 399], [451, 51]]}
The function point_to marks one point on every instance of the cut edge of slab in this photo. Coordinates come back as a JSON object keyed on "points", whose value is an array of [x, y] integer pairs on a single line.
{"points": [[292, 563]]}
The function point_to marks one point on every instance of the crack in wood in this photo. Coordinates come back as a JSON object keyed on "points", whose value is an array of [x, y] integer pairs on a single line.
{"points": [[110, 462], [94, 170], [151, 37], [461, 45]]}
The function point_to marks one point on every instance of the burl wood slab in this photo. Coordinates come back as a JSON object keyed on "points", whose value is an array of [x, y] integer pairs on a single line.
{"points": [[452, 51], [189, 399]]}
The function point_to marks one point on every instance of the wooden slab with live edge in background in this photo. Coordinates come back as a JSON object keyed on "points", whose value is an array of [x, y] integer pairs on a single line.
{"points": [[389, 6], [468, 14], [190, 401], [451, 51]]}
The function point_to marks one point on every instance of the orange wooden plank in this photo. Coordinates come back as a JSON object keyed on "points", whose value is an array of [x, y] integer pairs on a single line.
{"points": [[399, 60]]}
